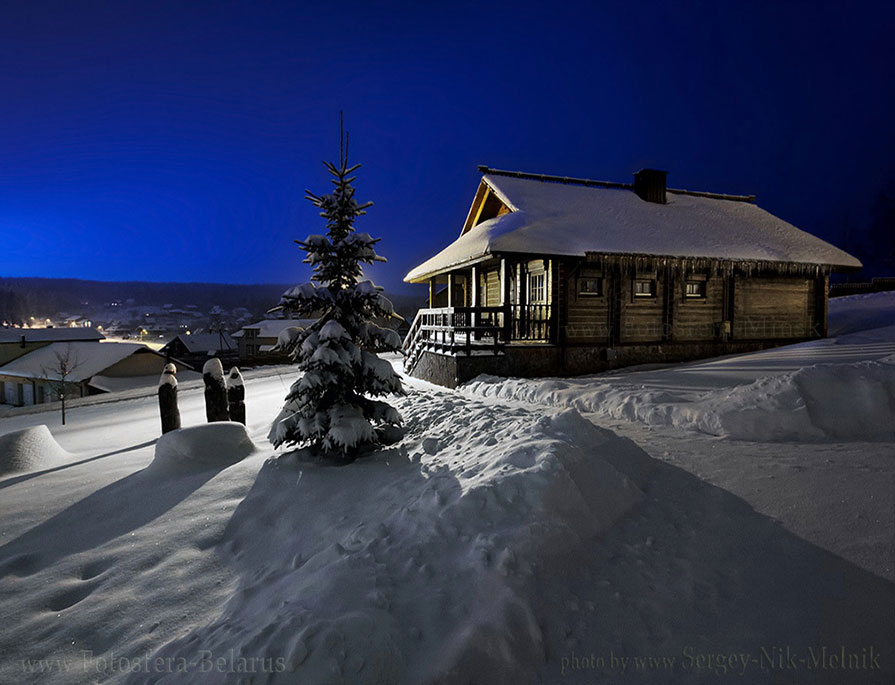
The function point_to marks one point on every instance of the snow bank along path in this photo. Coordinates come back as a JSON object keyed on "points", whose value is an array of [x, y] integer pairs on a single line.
{"points": [[851, 401], [30, 449], [841, 388]]}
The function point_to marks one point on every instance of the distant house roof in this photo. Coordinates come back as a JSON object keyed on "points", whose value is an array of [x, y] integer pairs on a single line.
{"points": [[32, 335], [571, 217], [271, 328], [88, 358], [203, 343]]}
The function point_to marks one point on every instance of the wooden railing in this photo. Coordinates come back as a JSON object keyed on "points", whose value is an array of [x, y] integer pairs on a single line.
{"points": [[456, 330], [532, 322], [468, 330]]}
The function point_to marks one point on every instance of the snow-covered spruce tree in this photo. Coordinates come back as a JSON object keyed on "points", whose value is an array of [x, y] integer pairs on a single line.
{"points": [[331, 407]]}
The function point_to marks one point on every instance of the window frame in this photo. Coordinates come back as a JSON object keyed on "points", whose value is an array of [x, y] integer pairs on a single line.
{"points": [[534, 286], [700, 293], [651, 295], [590, 293]]}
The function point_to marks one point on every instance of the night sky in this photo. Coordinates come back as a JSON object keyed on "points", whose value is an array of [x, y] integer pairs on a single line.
{"points": [[173, 141]]}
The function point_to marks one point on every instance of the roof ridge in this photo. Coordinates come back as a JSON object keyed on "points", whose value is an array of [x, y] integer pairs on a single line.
{"points": [[555, 179], [568, 180]]}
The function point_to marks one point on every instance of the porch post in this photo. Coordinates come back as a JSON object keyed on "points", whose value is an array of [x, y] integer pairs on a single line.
{"points": [[474, 295], [450, 289], [523, 299], [505, 277], [432, 292]]}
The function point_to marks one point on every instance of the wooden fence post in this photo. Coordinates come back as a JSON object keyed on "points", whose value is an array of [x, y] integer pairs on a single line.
{"points": [[236, 394], [215, 391], [167, 399]]}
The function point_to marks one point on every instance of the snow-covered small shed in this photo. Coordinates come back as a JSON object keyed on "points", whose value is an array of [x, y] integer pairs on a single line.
{"points": [[554, 275]]}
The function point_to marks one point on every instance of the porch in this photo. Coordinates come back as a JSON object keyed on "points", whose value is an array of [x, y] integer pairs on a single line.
{"points": [[482, 308]]}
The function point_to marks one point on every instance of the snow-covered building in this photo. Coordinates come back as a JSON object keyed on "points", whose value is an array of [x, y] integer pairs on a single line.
{"points": [[554, 275], [16, 342], [257, 340], [93, 368], [196, 349]]}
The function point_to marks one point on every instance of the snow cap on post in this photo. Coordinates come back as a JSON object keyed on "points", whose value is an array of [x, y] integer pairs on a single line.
{"points": [[235, 377], [214, 368], [168, 376]]}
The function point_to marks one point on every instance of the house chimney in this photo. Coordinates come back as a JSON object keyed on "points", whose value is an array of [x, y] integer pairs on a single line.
{"points": [[649, 184]]}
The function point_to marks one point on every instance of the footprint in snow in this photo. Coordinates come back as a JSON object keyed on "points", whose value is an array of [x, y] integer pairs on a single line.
{"points": [[432, 445]]}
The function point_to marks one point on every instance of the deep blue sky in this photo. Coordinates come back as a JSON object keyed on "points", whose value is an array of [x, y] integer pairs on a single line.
{"points": [[173, 141]]}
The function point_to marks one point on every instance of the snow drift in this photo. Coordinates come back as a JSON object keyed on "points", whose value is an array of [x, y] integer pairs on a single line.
{"points": [[861, 313], [215, 444], [30, 449], [821, 402], [417, 564]]}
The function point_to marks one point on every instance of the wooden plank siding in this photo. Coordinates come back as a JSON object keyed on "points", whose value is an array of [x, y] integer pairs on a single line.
{"points": [[491, 288], [773, 307], [695, 318], [641, 316], [586, 316], [560, 314]]}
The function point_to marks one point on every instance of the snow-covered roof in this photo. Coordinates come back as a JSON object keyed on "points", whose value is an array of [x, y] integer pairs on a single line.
{"points": [[201, 343], [574, 218], [271, 328], [89, 359], [14, 335]]}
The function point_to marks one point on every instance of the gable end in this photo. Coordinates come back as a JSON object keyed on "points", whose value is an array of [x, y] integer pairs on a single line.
{"points": [[485, 205]]}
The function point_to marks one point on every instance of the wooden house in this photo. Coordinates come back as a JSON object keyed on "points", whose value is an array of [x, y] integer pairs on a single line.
{"points": [[196, 349], [93, 368], [559, 276]]}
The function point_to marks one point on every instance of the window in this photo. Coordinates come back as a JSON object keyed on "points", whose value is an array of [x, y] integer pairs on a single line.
{"points": [[644, 288], [536, 290], [590, 285], [695, 290]]}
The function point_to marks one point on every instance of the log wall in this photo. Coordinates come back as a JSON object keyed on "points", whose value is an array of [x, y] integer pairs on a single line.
{"points": [[773, 307], [696, 318], [586, 315]]}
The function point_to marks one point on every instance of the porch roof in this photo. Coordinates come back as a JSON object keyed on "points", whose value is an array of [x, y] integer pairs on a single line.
{"points": [[572, 218]]}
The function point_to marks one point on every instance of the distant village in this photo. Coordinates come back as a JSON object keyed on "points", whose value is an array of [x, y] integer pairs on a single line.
{"points": [[122, 345]]}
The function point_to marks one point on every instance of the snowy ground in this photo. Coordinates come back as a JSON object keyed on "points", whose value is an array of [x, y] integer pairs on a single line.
{"points": [[735, 523]]}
